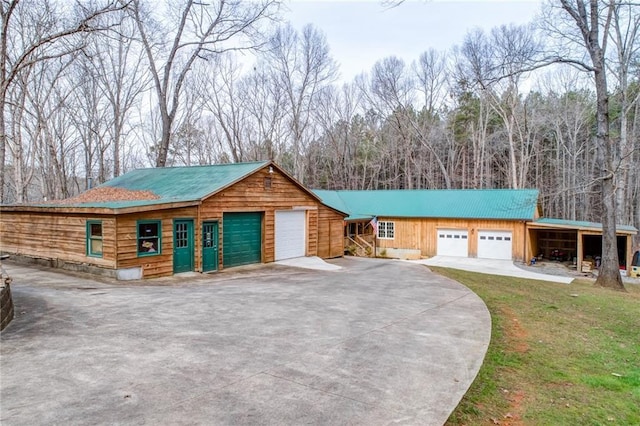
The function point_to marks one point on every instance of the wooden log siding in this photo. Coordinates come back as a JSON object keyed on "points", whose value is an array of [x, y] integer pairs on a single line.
{"points": [[58, 236], [421, 234], [252, 195], [156, 265], [62, 235], [330, 233]]}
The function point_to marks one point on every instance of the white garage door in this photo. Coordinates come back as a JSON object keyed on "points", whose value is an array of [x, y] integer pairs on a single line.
{"points": [[290, 234], [453, 242], [495, 245]]}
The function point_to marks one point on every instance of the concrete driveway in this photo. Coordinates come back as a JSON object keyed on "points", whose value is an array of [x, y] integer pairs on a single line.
{"points": [[376, 342], [490, 266]]}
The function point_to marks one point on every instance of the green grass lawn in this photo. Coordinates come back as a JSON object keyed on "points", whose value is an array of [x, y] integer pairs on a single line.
{"points": [[559, 354]]}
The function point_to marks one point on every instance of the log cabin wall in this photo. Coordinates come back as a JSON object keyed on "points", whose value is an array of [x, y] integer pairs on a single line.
{"points": [[62, 235], [330, 233], [261, 192], [160, 264], [56, 236], [421, 234]]}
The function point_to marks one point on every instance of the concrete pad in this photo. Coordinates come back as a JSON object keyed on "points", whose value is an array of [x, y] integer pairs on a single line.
{"points": [[490, 266], [309, 262], [376, 342]]}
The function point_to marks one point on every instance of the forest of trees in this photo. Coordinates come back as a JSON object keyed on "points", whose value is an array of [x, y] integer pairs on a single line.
{"points": [[92, 89]]}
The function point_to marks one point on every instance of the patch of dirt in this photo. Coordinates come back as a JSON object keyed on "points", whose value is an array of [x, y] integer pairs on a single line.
{"points": [[514, 332], [516, 337], [514, 416], [108, 193]]}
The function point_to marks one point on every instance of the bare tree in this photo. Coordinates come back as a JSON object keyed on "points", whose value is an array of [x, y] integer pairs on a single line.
{"points": [[593, 21], [495, 64], [334, 157], [432, 75], [264, 103], [219, 87], [44, 35], [565, 170], [302, 66], [625, 36], [88, 114], [118, 66], [198, 31]]}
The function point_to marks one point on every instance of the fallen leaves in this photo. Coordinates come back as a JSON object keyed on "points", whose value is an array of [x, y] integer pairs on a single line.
{"points": [[102, 194]]}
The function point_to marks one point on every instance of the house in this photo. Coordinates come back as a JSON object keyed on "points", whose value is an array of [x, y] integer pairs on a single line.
{"points": [[160, 221], [491, 224]]}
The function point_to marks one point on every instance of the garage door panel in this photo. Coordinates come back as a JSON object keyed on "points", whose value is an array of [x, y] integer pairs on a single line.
{"points": [[290, 234], [453, 242], [495, 245], [242, 238]]}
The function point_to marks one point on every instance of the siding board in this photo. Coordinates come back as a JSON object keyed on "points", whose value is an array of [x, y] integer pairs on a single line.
{"points": [[421, 234], [250, 194], [330, 233], [56, 237], [127, 234]]}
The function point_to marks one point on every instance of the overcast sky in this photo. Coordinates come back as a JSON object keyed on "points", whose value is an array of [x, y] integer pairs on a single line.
{"points": [[362, 32]]}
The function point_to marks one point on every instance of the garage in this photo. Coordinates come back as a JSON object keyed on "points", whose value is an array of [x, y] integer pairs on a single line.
{"points": [[290, 233], [453, 242], [242, 238], [495, 245]]}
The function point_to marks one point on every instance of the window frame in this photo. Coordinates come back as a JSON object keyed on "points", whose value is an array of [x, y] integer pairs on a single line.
{"points": [[89, 238], [158, 251], [384, 224]]}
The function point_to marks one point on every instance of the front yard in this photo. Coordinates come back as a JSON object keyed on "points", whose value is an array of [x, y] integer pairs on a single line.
{"points": [[560, 354]]}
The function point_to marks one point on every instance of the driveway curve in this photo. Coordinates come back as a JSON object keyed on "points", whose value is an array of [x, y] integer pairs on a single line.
{"points": [[376, 342]]}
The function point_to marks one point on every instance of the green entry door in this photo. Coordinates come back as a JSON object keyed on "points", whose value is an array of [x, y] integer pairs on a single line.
{"points": [[183, 245], [209, 246], [241, 238]]}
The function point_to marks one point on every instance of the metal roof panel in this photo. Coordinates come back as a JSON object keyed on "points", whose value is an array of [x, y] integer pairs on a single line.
{"points": [[580, 224], [507, 204], [172, 184]]}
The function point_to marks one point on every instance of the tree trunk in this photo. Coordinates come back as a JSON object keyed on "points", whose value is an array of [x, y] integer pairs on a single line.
{"points": [[163, 144], [3, 149], [609, 275]]}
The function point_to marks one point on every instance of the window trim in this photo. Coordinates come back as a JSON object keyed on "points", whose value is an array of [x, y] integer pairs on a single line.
{"points": [[159, 237], [385, 224], [90, 238]]}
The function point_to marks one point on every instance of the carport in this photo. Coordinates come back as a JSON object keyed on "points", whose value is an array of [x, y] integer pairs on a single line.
{"points": [[559, 239]]}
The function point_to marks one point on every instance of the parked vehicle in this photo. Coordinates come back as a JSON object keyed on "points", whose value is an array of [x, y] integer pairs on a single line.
{"points": [[634, 271]]}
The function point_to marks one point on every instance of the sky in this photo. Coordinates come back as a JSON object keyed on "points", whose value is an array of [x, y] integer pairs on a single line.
{"points": [[362, 32]]}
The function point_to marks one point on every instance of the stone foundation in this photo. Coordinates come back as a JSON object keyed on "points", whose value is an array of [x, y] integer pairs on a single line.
{"points": [[62, 264]]}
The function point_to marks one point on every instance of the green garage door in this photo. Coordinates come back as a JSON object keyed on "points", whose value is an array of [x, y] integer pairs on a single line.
{"points": [[241, 238]]}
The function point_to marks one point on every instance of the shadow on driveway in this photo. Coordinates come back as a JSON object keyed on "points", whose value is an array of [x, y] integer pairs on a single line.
{"points": [[375, 342]]}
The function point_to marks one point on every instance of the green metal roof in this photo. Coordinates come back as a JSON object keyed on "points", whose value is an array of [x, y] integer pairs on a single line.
{"points": [[507, 204], [175, 184], [580, 224]]}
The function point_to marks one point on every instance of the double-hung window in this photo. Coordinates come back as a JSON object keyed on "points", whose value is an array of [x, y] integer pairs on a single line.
{"points": [[149, 237], [94, 238], [386, 230]]}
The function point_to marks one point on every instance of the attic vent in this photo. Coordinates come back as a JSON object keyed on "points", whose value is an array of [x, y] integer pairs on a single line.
{"points": [[267, 183]]}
